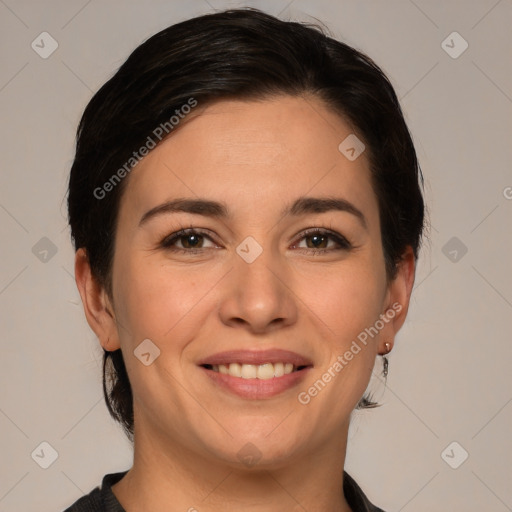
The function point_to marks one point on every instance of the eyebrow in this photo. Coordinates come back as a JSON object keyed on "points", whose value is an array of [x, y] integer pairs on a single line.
{"points": [[305, 205], [208, 208], [197, 206]]}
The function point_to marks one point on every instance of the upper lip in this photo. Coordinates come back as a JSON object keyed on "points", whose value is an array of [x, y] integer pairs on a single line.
{"points": [[257, 357]]}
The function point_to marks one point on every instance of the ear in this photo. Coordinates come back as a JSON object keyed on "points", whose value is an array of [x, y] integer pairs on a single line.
{"points": [[397, 300], [97, 305]]}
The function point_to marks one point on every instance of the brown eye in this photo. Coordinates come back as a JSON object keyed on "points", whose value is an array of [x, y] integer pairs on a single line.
{"points": [[317, 240], [190, 240]]}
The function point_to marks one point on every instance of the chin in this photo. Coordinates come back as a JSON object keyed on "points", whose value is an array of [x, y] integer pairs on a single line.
{"points": [[256, 446]]}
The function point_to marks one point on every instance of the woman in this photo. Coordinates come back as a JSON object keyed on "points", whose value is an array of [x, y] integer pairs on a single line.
{"points": [[246, 211]]}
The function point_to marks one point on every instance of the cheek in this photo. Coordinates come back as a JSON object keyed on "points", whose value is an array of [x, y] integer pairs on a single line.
{"points": [[156, 302], [345, 300], [347, 304], [165, 306]]}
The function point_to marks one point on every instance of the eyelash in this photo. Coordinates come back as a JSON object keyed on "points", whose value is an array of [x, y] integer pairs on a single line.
{"points": [[343, 244]]}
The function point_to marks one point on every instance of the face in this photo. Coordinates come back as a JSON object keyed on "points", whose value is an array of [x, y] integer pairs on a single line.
{"points": [[267, 271]]}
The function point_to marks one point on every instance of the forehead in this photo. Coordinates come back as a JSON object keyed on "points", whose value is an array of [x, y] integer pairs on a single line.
{"points": [[249, 153]]}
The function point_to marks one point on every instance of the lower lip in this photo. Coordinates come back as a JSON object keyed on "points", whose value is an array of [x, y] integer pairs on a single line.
{"points": [[257, 389]]}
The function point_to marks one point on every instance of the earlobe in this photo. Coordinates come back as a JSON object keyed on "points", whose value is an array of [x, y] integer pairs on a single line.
{"points": [[397, 302], [97, 305]]}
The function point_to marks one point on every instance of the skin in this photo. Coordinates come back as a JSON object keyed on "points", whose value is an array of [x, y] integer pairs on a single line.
{"points": [[257, 157]]}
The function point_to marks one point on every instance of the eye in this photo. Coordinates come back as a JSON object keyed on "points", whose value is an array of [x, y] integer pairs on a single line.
{"points": [[319, 241], [191, 241]]}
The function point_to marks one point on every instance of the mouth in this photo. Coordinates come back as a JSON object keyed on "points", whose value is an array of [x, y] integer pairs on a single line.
{"points": [[256, 375], [263, 371]]}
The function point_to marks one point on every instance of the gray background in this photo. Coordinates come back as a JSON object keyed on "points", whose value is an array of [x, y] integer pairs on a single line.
{"points": [[450, 376]]}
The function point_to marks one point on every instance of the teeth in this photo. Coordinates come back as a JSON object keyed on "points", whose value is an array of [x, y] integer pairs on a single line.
{"points": [[278, 369], [252, 371], [249, 371], [265, 371], [235, 370]]}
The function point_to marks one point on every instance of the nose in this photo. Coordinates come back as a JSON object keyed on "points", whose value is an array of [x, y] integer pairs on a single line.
{"points": [[258, 296]]}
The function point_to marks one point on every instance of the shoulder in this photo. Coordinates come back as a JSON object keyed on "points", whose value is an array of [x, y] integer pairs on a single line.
{"points": [[100, 499]]}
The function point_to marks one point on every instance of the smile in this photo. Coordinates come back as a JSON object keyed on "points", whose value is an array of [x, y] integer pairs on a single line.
{"points": [[263, 371]]}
